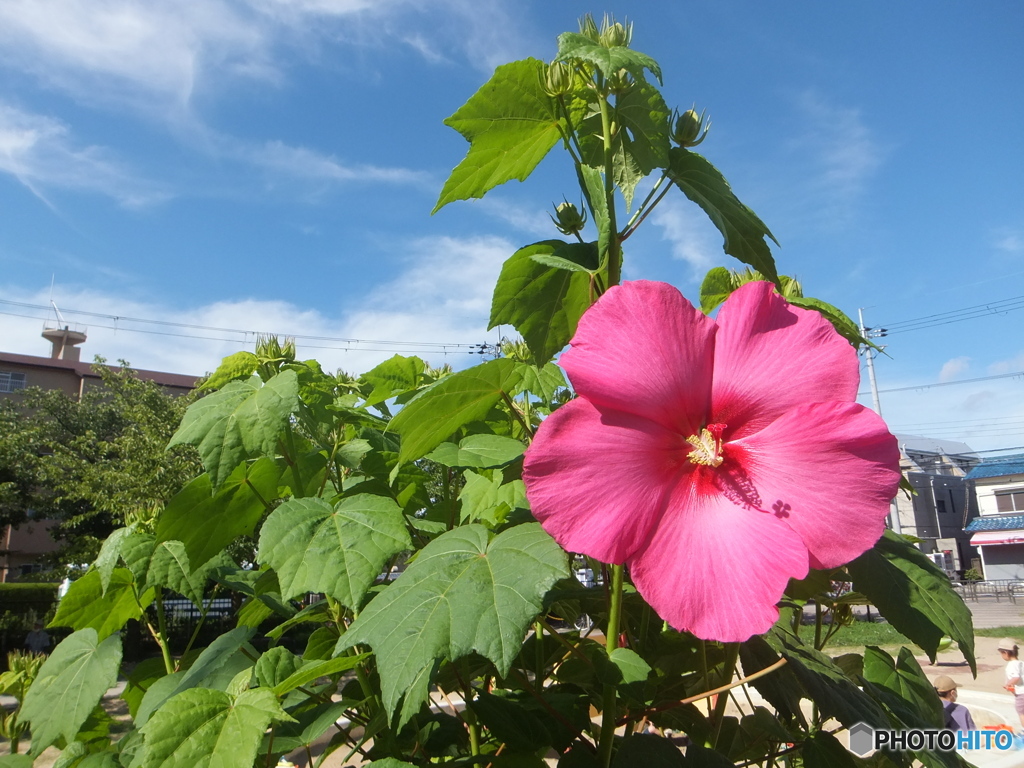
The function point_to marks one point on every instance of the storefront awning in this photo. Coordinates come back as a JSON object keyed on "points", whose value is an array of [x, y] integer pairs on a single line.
{"points": [[997, 537]]}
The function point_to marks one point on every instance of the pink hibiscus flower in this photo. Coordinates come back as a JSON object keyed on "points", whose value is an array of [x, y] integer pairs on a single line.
{"points": [[716, 458]]}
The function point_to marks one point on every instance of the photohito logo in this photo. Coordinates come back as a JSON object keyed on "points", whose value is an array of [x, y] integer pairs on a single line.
{"points": [[865, 739]]}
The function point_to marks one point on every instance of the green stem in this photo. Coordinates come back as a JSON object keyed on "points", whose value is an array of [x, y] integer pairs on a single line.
{"points": [[291, 457], [608, 714], [732, 652], [538, 653], [817, 626], [614, 257], [162, 628]]}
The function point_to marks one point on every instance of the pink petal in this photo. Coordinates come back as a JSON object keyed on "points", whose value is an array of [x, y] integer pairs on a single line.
{"points": [[771, 356], [596, 478], [829, 471], [715, 568], [643, 349]]}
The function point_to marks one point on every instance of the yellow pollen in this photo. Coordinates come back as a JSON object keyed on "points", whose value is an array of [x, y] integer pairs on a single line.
{"points": [[707, 447]]}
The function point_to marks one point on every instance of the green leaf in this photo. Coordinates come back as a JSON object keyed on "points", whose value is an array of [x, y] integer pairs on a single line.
{"points": [[630, 665], [643, 113], [309, 726], [69, 685], [844, 326], [310, 672], [823, 750], [510, 123], [16, 761], [907, 684], [572, 45], [434, 415], [275, 665], [207, 523], [86, 605], [510, 722], [464, 592], [205, 727], [396, 375], [240, 365], [479, 451], [337, 550], [490, 499], [717, 286], [913, 595], [826, 683], [649, 751], [743, 231], [242, 420], [110, 553], [543, 382], [215, 667], [543, 303]]}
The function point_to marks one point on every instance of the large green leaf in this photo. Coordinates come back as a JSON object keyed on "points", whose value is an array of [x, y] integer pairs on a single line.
{"points": [[242, 420], [201, 727], [87, 605], [437, 412], [110, 553], [337, 550], [240, 365], [543, 303], [464, 592], [573, 45], [394, 376], [214, 668], [911, 695], [743, 231], [206, 523], [834, 693], [478, 451], [510, 123], [489, 498], [69, 685], [913, 595], [164, 564]]}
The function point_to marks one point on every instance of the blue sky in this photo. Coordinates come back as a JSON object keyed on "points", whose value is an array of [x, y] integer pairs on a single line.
{"points": [[270, 165]]}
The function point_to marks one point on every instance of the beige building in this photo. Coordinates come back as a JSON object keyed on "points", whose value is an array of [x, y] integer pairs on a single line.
{"points": [[21, 546], [944, 502]]}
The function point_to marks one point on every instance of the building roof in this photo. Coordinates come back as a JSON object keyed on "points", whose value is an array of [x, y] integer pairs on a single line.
{"points": [[1000, 467], [84, 369], [933, 445], [995, 523]]}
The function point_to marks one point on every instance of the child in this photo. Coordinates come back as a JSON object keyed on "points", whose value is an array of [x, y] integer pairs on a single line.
{"points": [[1014, 674], [958, 717]]}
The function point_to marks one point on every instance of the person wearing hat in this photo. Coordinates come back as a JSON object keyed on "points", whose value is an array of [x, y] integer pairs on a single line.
{"points": [[1014, 674], [958, 717]]}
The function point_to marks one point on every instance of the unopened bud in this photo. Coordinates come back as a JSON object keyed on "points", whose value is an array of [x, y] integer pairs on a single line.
{"points": [[690, 129], [558, 79], [588, 28], [568, 219], [620, 82], [615, 34]]}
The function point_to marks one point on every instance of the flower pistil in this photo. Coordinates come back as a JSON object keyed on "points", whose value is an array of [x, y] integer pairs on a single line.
{"points": [[707, 446]]}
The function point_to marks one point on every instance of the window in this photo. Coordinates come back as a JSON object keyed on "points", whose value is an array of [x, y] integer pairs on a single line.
{"points": [[940, 506], [10, 381], [1010, 501]]}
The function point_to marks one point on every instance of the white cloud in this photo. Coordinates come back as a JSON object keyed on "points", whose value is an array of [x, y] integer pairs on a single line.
{"points": [[1010, 365], [40, 152], [1009, 241], [692, 236], [306, 163], [427, 305], [843, 156], [953, 368]]}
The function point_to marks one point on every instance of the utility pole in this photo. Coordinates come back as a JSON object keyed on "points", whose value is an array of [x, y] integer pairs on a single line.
{"points": [[869, 355]]}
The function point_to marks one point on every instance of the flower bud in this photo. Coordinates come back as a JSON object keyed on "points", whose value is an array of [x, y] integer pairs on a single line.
{"points": [[568, 219], [558, 79], [690, 129], [588, 28], [615, 34]]}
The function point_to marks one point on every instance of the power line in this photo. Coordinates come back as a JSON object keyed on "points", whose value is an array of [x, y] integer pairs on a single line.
{"points": [[949, 383], [407, 346], [954, 316]]}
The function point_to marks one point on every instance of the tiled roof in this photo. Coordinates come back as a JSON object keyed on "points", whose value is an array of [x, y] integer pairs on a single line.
{"points": [[995, 523], [1001, 467]]}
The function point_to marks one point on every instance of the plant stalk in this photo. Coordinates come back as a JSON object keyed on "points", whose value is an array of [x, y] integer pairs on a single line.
{"points": [[608, 714]]}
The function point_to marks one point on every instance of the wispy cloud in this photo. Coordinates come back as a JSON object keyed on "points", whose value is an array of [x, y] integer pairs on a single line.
{"points": [[842, 155], [41, 153], [302, 162], [954, 368], [1009, 241], [692, 236]]}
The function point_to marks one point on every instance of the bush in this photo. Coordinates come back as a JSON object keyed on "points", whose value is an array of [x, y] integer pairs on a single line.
{"points": [[23, 598]]}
